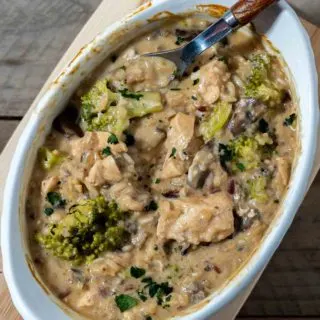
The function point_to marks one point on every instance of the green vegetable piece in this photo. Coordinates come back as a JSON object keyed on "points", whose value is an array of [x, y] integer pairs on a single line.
{"points": [[216, 120], [148, 318], [55, 199], [137, 272], [152, 206], [113, 139], [125, 302], [157, 181], [196, 81], [49, 158], [245, 151], [289, 121], [132, 95], [106, 151], [48, 211], [257, 189], [194, 98], [149, 103], [180, 40], [104, 110], [98, 99], [173, 152], [240, 166], [90, 228], [142, 296], [259, 86]]}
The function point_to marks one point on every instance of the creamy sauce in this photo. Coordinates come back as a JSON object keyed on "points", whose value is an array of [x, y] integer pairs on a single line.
{"points": [[199, 177]]}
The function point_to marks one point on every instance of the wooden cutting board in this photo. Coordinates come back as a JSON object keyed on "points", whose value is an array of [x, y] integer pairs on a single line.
{"points": [[106, 13]]}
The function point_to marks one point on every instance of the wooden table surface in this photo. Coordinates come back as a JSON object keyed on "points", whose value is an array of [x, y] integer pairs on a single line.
{"points": [[33, 35]]}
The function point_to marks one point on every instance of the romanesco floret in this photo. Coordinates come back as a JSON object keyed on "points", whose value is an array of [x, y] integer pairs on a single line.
{"points": [[216, 120], [104, 110], [257, 189], [90, 228], [259, 85], [50, 158]]}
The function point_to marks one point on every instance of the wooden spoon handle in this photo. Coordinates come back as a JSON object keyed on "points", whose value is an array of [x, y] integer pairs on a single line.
{"points": [[247, 10]]}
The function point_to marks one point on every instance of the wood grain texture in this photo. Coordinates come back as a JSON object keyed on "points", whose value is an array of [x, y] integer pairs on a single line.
{"points": [[246, 10], [6, 129], [290, 286]]}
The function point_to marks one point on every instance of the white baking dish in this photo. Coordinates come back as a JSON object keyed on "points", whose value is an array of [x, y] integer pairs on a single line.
{"points": [[282, 27]]}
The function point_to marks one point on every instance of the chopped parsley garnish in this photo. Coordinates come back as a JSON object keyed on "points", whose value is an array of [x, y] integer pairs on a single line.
{"points": [[132, 95], [223, 59], [196, 81], [240, 166], [263, 126], [152, 206], [160, 291], [194, 98], [225, 154], [180, 40], [125, 302], [157, 181], [137, 272], [55, 199], [48, 211], [148, 318], [175, 73], [173, 152], [142, 296], [175, 89], [130, 140], [113, 139], [290, 120], [106, 151]]}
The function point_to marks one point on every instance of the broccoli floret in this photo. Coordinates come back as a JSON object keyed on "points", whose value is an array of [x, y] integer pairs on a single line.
{"points": [[259, 85], [50, 158], [90, 228], [257, 189], [104, 110], [245, 153], [216, 120]]}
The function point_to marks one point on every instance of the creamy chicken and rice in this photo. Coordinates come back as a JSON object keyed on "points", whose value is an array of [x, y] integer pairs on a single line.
{"points": [[151, 192]]}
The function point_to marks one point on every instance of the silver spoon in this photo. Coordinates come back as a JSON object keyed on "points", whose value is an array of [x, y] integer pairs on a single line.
{"points": [[241, 13]]}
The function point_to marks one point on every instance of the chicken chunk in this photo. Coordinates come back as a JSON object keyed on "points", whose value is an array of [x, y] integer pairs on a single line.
{"points": [[95, 142], [128, 197], [196, 219], [104, 171], [180, 133], [212, 79], [147, 136], [172, 168], [149, 73], [49, 184]]}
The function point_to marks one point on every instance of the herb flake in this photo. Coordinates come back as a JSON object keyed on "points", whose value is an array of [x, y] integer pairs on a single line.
{"points": [[173, 152], [113, 139], [55, 199], [290, 120], [196, 81], [48, 211], [152, 206], [131, 95], [137, 272], [180, 40], [106, 151], [125, 302]]}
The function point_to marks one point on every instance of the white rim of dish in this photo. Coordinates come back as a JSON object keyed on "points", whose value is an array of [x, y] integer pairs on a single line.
{"points": [[253, 266]]}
